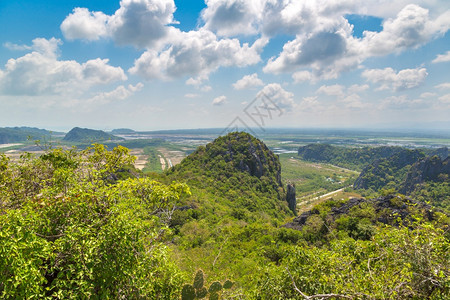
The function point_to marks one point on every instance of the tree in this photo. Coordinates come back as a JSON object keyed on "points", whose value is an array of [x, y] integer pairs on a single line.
{"points": [[70, 229]]}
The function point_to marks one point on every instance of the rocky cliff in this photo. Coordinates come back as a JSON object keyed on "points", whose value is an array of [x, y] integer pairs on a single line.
{"points": [[428, 169], [391, 170], [387, 210], [238, 167], [290, 198]]}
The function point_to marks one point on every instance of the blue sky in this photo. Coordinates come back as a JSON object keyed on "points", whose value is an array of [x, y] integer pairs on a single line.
{"points": [[164, 64]]}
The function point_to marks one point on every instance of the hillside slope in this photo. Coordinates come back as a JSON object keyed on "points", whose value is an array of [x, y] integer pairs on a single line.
{"points": [[21, 134], [239, 168], [78, 134]]}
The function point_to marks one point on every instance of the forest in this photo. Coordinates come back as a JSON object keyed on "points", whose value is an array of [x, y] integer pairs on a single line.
{"points": [[85, 223]]}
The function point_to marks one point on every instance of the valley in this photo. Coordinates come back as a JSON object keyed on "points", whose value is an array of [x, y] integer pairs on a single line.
{"points": [[238, 209]]}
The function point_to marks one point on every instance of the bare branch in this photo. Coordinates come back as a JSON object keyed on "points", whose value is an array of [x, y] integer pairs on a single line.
{"points": [[321, 296]]}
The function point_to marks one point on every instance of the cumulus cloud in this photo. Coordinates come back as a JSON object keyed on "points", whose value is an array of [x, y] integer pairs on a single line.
{"points": [[83, 24], [279, 96], [329, 47], [442, 86], [411, 28], [323, 44], [232, 17], [324, 55], [347, 96], [332, 90], [402, 102], [41, 73], [322, 47], [119, 93], [248, 82], [16, 47], [442, 58], [195, 53], [137, 22], [221, 100], [302, 76], [388, 78]]}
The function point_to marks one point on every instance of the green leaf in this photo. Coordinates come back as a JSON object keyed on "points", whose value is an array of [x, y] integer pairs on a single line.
{"points": [[188, 292], [215, 287], [198, 280]]}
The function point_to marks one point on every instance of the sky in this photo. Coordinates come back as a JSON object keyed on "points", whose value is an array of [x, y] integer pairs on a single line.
{"points": [[165, 64]]}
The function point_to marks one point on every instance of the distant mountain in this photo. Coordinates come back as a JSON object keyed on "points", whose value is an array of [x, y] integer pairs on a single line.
{"points": [[346, 157], [21, 134], [122, 131], [388, 172], [78, 134]]}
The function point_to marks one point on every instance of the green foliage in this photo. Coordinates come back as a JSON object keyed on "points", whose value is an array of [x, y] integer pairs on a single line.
{"points": [[239, 169], [353, 158], [436, 193], [198, 291], [388, 173], [198, 280], [69, 229], [395, 264]]}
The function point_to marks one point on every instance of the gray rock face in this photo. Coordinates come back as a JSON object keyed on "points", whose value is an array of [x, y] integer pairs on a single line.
{"points": [[375, 174], [388, 208], [428, 169], [290, 198]]}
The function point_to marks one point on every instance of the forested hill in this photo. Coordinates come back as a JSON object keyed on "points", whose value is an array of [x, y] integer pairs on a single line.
{"points": [[78, 134], [355, 158], [388, 172], [238, 167], [21, 134]]}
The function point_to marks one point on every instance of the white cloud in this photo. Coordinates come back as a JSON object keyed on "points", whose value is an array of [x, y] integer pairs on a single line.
{"points": [[190, 95], [442, 86], [411, 28], [332, 90], [41, 73], [427, 95], [232, 17], [119, 93], [445, 99], [221, 100], [248, 82], [83, 24], [15, 47], [388, 79], [356, 88], [402, 102], [301, 76], [329, 48], [279, 96], [442, 58], [195, 53], [347, 97], [141, 23]]}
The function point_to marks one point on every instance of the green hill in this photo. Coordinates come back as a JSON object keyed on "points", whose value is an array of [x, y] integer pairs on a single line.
{"points": [[21, 134], [78, 134], [355, 158], [222, 210], [239, 168]]}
